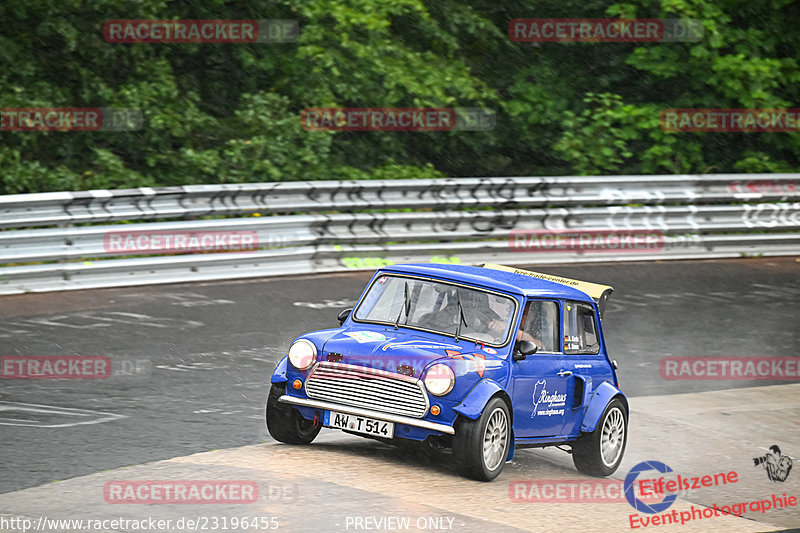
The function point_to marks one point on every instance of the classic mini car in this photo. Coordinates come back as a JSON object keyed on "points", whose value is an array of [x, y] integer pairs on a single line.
{"points": [[480, 359]]}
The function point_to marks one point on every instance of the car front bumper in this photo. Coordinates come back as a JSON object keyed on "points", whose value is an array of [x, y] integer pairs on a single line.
{"points": [[358, 411]]}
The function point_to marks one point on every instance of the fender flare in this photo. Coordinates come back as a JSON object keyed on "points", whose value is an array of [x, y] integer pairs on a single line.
{"points": [[279, 374], [601, 397], [472, 406]]}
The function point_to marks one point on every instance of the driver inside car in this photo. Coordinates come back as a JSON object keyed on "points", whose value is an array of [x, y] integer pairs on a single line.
{"points": [[526, 329], [502, 308], [444, 317], [483, 321], [480, 321]]}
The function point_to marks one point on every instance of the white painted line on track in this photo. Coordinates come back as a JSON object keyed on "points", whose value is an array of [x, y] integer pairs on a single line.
{"points": [[98, 417]]}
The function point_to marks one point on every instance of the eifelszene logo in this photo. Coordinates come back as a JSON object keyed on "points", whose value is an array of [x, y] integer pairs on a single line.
{"points": [[635, 502], [667, 485]]}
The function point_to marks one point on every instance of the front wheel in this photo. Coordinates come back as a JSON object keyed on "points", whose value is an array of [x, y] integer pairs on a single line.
{"points": [[481, 446], [599, 453], [286, 424]]}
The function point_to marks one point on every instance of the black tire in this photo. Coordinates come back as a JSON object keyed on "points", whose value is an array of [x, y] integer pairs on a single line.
{"points": [[477, 457], [284, 423], [610, 435]]}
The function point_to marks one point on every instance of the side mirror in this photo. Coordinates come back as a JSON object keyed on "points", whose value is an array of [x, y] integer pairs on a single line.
{"points": [[523, 349], [344, 314]]}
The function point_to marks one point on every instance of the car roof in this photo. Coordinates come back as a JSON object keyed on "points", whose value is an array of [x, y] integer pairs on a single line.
{"points": [[493, 279]]}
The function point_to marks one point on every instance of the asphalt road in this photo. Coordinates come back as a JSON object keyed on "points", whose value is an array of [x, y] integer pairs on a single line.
{"points": [[197, 357], [343, 483]]}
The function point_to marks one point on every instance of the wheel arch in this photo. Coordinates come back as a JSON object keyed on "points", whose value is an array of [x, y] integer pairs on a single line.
{"points": [[604, 394], [279, 374], [475, 402]]}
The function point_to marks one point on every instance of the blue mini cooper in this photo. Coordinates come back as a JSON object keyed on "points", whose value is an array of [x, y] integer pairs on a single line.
{"points": [[483, 360]]}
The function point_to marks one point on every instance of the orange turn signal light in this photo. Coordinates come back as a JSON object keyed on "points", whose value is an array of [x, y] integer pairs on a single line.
{"points": [[435, 410], [297, 384]]}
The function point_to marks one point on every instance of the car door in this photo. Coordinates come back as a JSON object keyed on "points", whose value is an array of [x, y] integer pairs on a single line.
{"points": [[540, 388], [582, 357]]}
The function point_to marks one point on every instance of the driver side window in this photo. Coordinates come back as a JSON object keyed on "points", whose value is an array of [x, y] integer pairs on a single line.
{"points": [[540, 325]]}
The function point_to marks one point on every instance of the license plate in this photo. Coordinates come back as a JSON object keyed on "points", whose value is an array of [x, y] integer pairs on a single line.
{"points": [[359, 424]]}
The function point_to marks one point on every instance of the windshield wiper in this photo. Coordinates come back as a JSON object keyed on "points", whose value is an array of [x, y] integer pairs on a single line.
{"points": [[461, 318], [406, 307]]}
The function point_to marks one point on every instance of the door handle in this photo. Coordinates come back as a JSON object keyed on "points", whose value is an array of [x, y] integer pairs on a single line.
{"points": [[565, 373]]}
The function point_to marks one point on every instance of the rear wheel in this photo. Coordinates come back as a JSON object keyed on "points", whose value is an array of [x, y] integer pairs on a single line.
{"points": [[284, 423], [599, 453], [481, 446]]}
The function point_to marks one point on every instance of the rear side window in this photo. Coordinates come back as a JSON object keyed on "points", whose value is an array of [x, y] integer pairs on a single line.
{"points": [[580, 329]]}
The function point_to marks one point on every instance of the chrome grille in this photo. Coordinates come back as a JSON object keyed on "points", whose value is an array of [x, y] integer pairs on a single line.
{"points": [[369, 388]]}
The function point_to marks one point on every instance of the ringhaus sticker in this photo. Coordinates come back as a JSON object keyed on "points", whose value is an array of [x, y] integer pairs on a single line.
{"points": [[545, 403]]}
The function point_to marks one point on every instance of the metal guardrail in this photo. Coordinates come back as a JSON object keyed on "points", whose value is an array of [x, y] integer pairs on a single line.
{"points": [[366, 224], [353, 228], [193, 201]]}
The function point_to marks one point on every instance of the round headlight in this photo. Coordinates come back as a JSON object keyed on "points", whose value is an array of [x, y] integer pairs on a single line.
{"points": [[302, 354], [439, 379]]}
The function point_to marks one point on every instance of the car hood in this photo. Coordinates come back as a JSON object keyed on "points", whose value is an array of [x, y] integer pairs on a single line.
{"points": [[387, 349]]}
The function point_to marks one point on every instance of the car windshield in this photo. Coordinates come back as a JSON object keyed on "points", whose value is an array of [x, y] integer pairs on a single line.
{"points": [[462, 312]]}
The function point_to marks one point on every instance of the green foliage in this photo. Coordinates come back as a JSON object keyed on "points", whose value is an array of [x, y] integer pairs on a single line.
{"points": [[229, 113]]}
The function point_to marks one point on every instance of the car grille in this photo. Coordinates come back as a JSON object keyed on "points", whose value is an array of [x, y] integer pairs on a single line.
{"points": [[368, 388]]}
